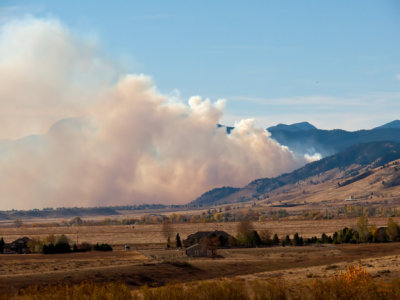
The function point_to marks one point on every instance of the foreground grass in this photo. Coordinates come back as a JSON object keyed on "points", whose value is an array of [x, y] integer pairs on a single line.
{"points": [[355, 283]]}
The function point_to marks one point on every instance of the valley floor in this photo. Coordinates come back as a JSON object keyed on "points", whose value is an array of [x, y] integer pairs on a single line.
{"points": [[159, 267]]}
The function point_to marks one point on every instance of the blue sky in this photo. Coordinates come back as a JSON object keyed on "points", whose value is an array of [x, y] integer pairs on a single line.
{"points": [[333, 63]]}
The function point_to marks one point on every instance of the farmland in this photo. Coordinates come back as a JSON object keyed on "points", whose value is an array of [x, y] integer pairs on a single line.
{"points": [[148, 262], [145, 236]]}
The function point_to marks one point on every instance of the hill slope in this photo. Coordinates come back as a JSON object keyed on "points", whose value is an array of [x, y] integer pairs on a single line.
{"points": [[347, 162], [393, 124]]}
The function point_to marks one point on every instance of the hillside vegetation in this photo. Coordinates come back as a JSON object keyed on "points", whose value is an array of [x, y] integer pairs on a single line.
{"points": [[341, 166]]}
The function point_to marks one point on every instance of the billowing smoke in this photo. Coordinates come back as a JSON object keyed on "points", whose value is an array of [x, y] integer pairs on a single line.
{"points": [[110, 141], [314, 157]]}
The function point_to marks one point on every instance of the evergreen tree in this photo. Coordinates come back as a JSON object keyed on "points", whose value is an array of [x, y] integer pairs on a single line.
{"points": [[296, 239], [2, 243], [168, 242], [255, 239], [275, 240], [178, 241], [287, 240], [324, 238]]}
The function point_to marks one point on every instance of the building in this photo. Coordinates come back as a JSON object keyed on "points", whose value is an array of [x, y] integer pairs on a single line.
{"points": [[221, 238], [198, 250], [19, 246], [206, 243]]}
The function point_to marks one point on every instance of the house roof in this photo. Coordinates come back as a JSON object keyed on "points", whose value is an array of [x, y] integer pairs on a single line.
{"points": [[201, 234]]}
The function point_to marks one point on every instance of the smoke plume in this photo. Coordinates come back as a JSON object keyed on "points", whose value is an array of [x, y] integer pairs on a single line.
{"points": [[104, 138]]}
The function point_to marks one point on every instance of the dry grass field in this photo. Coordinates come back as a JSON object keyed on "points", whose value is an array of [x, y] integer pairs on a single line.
{"points": [[149, 263], [159, 267], [143, 236]]}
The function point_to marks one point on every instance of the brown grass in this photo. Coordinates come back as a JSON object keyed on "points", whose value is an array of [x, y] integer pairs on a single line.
{"points": [[134, 269], [355, 283], [143, 236]]}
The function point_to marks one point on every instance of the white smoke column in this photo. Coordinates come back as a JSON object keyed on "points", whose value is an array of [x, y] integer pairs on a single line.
{"points": [[129, 145], [310, 158], [46, 74]]}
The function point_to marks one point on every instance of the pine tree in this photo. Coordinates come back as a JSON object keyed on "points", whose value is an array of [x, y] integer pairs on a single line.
{"points": [[296, 239], [2, 243], [275, 240], [324, 238], [178, 241], [254, 239], [288, 241]]}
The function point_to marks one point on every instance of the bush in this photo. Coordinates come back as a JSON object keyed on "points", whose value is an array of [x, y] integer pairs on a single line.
{"points": [[102, 247], [85, 290], [265, 236], [55, 245], [57, 248], [355, 283]]}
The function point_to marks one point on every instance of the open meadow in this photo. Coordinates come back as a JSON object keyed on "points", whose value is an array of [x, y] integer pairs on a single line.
{"points": [[148, 262], [152, 235]]}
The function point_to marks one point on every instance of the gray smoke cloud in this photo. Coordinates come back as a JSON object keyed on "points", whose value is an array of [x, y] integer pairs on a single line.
{"points": [[111, 141]]}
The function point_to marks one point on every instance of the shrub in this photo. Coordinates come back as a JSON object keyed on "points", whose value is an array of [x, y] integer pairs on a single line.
{"points": [[393, 230], [85, 290], [102, 247], [355, 283], [53, 245], [265, 236], [36, 245]]}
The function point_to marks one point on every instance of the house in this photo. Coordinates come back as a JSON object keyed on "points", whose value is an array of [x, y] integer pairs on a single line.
{"points": [[206, 243], [198, 250], [220, 239], [350, 198], [19, 246]]}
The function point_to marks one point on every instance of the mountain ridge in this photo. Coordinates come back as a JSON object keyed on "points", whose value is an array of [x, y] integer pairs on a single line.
{"points": [[371, 154]]}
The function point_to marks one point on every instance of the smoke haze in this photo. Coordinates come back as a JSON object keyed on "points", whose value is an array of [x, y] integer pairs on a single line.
{"points": [[105, 138]]}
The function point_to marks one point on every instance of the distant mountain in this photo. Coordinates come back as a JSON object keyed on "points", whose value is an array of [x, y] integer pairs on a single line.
{"points": [[393, 124], [303, 126], [372, 154], [311, 140]]}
